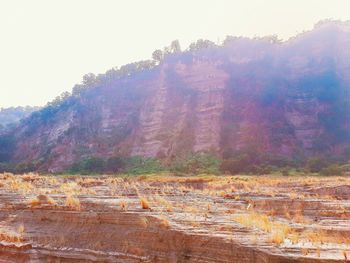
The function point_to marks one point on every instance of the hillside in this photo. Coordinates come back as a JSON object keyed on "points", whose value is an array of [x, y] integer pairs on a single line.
{"points": [[289, 99], [13, 115]]}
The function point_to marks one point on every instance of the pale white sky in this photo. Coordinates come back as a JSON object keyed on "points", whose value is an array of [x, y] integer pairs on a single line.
{"points": [[46, 46]]}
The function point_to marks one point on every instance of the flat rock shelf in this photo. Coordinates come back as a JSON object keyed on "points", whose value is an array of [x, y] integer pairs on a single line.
{"points": [[164, 218]]}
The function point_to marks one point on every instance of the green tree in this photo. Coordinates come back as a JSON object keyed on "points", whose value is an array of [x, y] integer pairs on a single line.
{"points": [[158, 55], [196, 164], [201, 44], [89, 79], [175, 46]]}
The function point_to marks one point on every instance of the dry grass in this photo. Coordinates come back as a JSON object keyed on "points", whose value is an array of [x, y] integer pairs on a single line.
{"points": [[275, 203], [254, 220], [42, 200], [304, 251], [21, 229], [318, 252], [144, 203], [164, 222], [345, 255], [323, 237], [123, 205], [278, 231], [161, 201], [11, 237], [143, 221], [299, 218], [72, 202], [20, 186], [34, 202], [30, 177], [50, 201]]}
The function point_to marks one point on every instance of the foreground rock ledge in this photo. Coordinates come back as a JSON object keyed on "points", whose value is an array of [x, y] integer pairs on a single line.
{"points": [[185, 222]]}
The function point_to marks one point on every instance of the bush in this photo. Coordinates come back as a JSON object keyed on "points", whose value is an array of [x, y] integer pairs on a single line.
{"points": [[232, 166], [285, 171], [90, 165], [19, 168], [262, 169], [238, 164], [198, 163], [316, 164], [115, 164], [143, 165], [131, 165], [333, 169]]}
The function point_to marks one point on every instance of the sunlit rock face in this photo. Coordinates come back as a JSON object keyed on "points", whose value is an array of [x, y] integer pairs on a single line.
{"points": [[280, 98]]}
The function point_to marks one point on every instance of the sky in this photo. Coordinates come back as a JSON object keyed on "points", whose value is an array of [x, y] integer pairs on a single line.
{"points": [[46, 46]]}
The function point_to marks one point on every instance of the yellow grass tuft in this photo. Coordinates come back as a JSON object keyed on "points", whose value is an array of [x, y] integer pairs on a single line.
{"points": [[318, 252], [163, 202], [143, 222], [30, 177], [254, 220], [21, 229], [41, 199], [50, 201], [304, 251], [20, 186], [72, 202], [345, 255], [144, 203], [123, 205], [164, 223], [34, 202], [279, 231], [10, 237]]}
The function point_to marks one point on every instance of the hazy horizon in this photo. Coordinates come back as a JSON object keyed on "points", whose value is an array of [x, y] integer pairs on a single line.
{"points": [[47, 46]]}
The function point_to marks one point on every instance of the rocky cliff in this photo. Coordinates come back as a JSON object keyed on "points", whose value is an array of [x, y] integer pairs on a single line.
{"points": [[284, 98]]}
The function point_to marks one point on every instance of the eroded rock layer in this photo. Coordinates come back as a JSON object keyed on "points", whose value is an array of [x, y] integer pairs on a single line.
{"points": [[174, 219]]}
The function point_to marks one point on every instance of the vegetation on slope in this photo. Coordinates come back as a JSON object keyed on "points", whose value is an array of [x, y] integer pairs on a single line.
{"points": [[13, 115]]}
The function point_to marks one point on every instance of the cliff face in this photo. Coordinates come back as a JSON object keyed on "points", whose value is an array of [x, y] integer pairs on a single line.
{"points": [[281, 98]]}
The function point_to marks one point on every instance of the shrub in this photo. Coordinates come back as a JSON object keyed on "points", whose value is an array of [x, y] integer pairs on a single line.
{"points": [[143, 165], [333, 169], [244, 163], [232, 166], [40, 200], [199, 163], [72, 202], [285, 171], [115, 164], [89, 165], [316, 164], [34, 202], [131, 165], [94, 164], [144, 203], [25, 167]]}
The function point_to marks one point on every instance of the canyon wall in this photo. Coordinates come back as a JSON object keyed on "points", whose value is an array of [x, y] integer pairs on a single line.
{"points": [[284, 98]]}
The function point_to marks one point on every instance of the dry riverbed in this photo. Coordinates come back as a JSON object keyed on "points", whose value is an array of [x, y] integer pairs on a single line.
{"points": [[164, 218]]}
